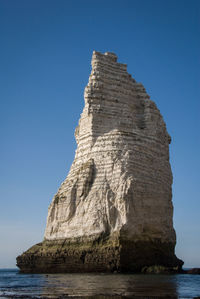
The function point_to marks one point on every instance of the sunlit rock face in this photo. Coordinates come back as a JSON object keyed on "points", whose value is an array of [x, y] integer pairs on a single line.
{"points": [[114, 210]]}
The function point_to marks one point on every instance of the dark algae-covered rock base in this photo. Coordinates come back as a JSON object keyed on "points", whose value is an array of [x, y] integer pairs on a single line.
{"points": [[113, 212], [104, 256]]}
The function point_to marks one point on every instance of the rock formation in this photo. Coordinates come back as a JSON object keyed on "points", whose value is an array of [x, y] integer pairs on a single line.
{"points": [[114, 210]]}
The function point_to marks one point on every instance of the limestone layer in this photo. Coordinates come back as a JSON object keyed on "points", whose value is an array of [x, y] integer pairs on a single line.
{"points": [[114, 210]]}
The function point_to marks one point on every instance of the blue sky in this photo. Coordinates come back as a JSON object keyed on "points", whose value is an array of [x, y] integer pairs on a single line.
{"points": [[45, 54]]}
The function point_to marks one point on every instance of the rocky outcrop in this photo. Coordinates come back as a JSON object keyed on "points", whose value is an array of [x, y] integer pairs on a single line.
{"points": [[192, 271], [114, 210]]}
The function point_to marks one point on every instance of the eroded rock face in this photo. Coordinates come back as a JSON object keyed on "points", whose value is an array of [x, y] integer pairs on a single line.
{"points": [[114, 210]]}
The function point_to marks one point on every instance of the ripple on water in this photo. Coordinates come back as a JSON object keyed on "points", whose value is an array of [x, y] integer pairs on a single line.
{"points": [[16, 285]]}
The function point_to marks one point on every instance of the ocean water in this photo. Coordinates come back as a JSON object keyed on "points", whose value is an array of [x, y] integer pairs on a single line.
{"points": [[100, 286]]}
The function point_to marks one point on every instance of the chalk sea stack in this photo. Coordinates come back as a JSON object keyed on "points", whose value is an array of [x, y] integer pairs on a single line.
{"points": [[114, 210]]}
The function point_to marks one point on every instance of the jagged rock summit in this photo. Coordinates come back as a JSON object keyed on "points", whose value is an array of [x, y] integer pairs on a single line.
{"points": [[114, 210]]}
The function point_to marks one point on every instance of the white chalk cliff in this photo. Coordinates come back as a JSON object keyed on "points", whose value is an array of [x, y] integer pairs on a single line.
{"points": [[114, 210], [121, 177]]}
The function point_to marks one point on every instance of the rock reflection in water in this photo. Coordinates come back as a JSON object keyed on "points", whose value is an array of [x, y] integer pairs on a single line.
{"points": [[106, 285]]}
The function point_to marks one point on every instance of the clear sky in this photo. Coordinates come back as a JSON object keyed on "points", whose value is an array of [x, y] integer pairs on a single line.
{"points": [[45, 54]]}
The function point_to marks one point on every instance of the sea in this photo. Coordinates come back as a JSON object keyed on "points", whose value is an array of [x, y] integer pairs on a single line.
{"points": [[13, 284]]}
